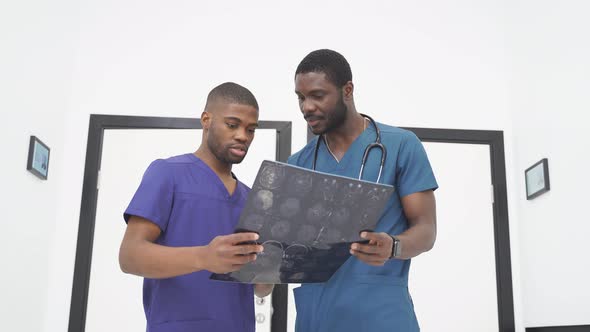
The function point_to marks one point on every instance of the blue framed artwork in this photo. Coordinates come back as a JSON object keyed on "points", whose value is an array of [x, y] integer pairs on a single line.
{"points": [[537, 179], [38, 161]]}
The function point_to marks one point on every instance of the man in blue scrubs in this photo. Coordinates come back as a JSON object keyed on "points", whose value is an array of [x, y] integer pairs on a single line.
{"points": [[370, 291], [178, 221]]}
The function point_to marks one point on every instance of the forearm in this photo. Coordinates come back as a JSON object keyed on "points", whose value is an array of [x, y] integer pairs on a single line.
{"points": [[150, 260], [262, 290], [417, 239]]}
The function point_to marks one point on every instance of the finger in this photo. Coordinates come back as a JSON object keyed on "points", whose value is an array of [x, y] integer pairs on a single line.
{"points": [[241, 237], [244, 249], [368, 259], [243, 259], [366, 248], [376, 237]]}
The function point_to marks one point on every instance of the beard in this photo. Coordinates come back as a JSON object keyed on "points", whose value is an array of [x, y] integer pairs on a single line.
{"points": [[337, 117], [220, 151]]}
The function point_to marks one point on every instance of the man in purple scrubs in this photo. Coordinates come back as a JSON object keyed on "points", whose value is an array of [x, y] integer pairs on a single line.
{"points": [[180, 224]]}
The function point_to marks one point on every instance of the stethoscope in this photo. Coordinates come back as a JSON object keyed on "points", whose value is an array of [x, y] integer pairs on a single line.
{"points": [[377, 144]]}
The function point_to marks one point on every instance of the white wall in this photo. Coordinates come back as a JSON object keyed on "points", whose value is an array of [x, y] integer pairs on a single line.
{"points": [[549, 103], [36, 54], [415, 64], [429, 64]]}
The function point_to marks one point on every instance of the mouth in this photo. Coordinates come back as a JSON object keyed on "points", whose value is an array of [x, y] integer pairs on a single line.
{"points": [[313, 121], [238, 150]]}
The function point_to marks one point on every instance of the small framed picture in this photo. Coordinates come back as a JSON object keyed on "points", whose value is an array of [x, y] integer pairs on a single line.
{"points": [[38, 161], [537, 179]]}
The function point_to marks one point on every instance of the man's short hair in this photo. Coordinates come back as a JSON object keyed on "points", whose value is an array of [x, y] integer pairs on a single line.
{"points": [[331, 63], [230, 92]]}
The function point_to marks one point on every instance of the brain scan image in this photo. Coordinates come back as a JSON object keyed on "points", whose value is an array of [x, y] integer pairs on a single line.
{"points": [[306, 222], [327, 189], [290, 207], [296, 251], [375, 195], [353, 194], [272, 176], [263, 200], [254, 222], [306, 234], [332, 235], [280, 230], [365, 220], [300, 184], [340, 216], [297, 276], [317, 212], [271, 257]]}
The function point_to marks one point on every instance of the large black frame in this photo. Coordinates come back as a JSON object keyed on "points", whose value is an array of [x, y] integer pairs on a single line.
{"points": [[98, 123], [495, 140]]}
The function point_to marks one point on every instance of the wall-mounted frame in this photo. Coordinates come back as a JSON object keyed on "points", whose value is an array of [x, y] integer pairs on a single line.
{"points": [[537, 179], [38, 160]]}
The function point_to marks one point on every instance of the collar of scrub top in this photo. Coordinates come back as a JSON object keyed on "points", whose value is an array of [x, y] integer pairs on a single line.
{"points": [[375, 145]]}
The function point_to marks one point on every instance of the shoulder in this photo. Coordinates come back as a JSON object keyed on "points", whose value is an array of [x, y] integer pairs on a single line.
{"points": [[166, 168], [301, 156], [182, 159], [395, 132], [398, 136], [243, 187]]}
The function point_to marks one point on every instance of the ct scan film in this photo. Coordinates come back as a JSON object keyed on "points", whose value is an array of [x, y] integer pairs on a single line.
{"points": [[307, 221]]}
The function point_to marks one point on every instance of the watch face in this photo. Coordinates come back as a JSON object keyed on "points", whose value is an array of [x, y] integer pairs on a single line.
{"points": [[396, 247]]}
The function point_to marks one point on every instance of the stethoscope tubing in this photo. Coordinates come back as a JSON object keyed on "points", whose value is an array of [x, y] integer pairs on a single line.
{"points": [[375, 145]]}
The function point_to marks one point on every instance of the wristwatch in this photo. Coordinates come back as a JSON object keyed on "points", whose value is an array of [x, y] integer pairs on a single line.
{"points": [[396, 248]]}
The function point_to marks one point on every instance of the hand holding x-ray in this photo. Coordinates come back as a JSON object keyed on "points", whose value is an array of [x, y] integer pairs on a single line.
{"points": [[307, 221]]}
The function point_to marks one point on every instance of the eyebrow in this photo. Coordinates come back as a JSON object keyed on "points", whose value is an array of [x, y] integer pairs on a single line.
{"points": [[319, 90], [238, 120]]}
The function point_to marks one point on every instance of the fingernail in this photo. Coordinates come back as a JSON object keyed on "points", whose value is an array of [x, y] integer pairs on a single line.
{"points": [[364, 235], [256, 236], [352, 252], [354, 246]]}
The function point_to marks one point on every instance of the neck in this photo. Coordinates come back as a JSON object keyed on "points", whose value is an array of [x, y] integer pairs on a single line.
{"points": [[340, 138], [222, 169]]}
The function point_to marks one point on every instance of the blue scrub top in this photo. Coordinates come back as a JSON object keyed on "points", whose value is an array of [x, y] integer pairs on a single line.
{"points": [[360, 297], [190, 204]]}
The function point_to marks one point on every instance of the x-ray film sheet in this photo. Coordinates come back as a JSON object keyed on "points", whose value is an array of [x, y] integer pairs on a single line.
{"points": [[307, 221]]}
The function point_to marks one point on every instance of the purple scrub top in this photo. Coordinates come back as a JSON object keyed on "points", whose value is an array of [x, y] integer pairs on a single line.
{"points": [[190, 204]]}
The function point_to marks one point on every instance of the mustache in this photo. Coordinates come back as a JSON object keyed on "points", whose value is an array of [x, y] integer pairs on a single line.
{"points": [[311, 117], [238, 146]]}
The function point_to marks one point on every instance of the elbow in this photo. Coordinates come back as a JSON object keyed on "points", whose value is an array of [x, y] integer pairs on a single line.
{"points": [[431, 243], [124, 262], [429, 246]]}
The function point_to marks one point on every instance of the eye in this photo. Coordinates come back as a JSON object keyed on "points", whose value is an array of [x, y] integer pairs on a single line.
{"points": [[252, 130], [231, 125]]}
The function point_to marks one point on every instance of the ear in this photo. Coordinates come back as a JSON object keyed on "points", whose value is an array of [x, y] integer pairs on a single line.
{"points": [[205, 120], [348, 90]]}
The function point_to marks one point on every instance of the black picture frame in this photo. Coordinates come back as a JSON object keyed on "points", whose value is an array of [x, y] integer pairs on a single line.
{"points": [[537, 179], [38, 160]]}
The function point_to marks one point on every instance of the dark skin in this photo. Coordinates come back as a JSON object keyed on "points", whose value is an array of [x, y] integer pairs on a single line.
{"points": [[329, 110], [228, 131]]}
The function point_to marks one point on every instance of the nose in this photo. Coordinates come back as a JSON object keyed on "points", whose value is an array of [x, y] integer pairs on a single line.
{"points": [[307, 106], [241, 135]]}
